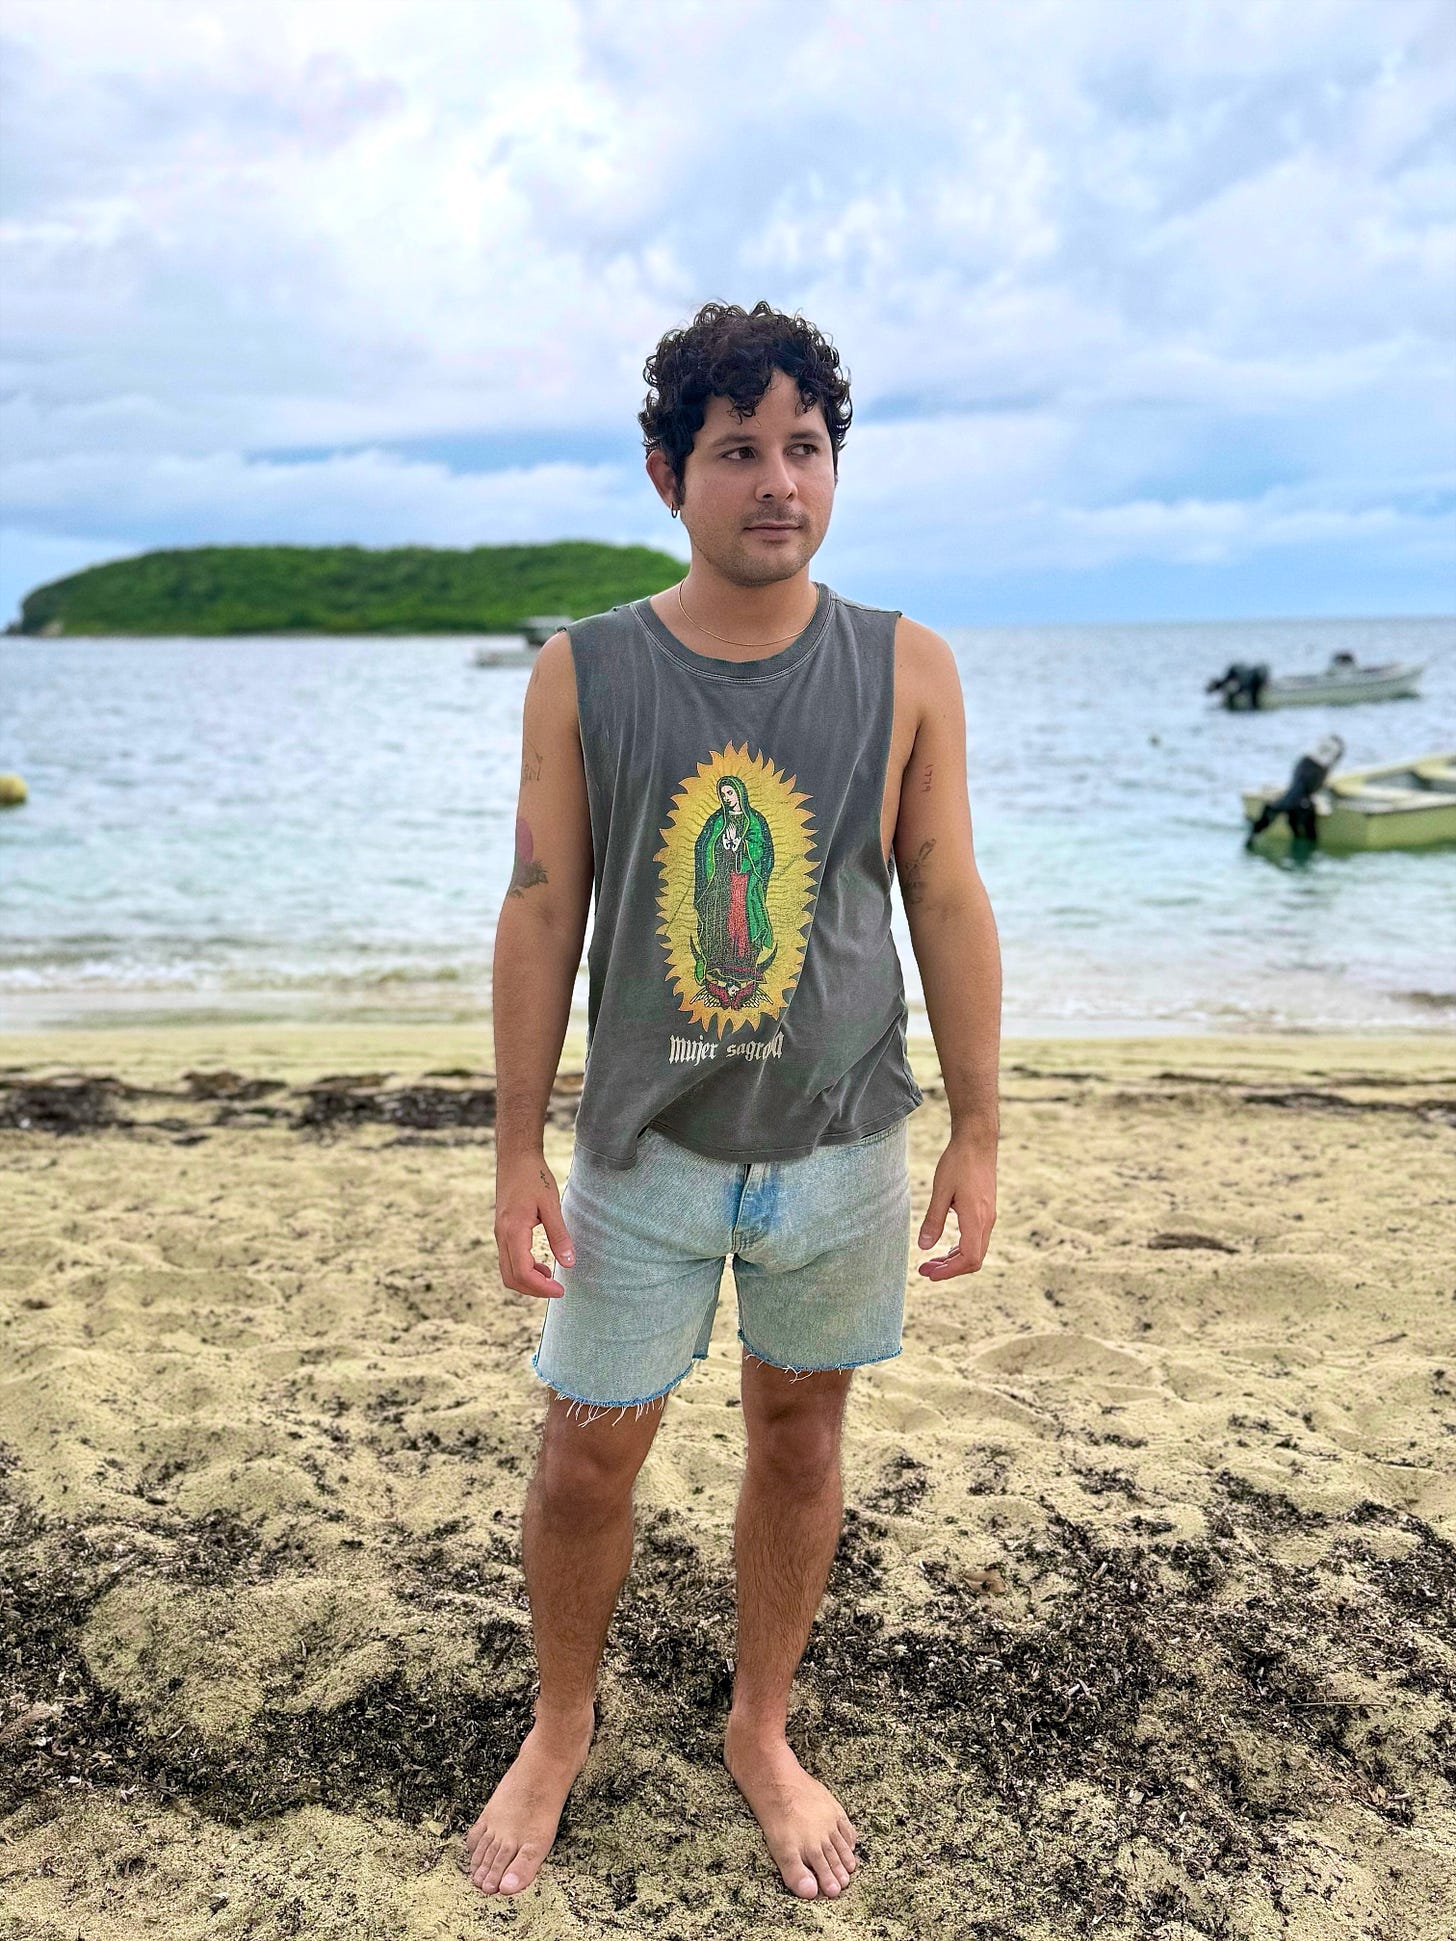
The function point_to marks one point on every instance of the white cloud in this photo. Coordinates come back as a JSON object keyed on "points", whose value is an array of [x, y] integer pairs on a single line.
{"points": [[367, 497], [1118, 276]]}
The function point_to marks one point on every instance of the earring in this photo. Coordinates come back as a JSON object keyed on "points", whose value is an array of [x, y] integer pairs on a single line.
{"points": [[673, 510]]}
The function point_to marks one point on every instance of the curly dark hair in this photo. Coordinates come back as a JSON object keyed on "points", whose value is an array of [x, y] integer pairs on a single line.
{"points": [[729, 352]]}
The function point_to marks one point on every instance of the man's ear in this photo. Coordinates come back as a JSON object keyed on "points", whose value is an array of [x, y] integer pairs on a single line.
{"points": [[661, 474]]}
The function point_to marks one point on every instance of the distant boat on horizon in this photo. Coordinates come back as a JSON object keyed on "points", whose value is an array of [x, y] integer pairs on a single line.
{"points": [[536, 631], [539, 628], [1245, 686]]}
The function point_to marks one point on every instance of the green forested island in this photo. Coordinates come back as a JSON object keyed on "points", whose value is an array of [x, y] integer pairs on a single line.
{"points": [[344, 589]]}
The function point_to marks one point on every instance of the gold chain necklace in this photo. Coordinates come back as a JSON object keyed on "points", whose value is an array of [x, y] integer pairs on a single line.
{"points": [[736, 643]]}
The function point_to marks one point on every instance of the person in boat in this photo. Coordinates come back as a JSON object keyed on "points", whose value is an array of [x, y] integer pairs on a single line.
{"points": [[1241, 684], [1311, 772]]}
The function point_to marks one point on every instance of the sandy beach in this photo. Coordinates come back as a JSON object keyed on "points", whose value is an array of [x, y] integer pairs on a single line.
{"points": [[1144, 1620]]}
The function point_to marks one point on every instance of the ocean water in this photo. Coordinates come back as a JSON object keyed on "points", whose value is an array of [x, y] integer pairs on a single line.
{"points": [[324, 828]]}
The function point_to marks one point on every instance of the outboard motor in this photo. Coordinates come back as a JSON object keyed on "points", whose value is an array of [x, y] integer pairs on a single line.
{"points": [[1311, 772], [1240, 684]]}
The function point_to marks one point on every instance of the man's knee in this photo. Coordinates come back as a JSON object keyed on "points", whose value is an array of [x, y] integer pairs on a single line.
{"points": [[800, 1459], [592, 1459], [794, 1430]]}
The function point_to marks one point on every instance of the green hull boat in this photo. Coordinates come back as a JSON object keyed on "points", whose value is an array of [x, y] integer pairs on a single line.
{"points": [[1404, 805]]}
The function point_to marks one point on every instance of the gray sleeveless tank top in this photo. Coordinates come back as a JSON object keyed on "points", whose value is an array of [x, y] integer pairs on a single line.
{"points": [[745, 995]]}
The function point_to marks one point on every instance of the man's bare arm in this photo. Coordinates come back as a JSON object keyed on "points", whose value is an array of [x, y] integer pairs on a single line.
{"points": [[953, 934], [537, 950]]}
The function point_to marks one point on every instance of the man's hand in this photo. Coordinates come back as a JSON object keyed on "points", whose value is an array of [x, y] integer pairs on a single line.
{"points": [[526, 1198], [965, 1180]]}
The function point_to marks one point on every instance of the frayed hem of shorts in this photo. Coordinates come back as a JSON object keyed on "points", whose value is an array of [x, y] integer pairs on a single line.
{"points": [[594, 1411], [824, 1368]]}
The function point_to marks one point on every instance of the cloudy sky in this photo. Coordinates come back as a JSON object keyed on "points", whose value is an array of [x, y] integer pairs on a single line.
{"points": [[1149, 310]]}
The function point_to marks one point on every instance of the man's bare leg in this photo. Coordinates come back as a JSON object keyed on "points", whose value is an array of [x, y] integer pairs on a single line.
{"points": [[576, 1548], [787, 1529]]}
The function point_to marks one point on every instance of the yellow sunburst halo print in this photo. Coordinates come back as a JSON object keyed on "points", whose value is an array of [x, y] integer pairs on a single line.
{"points": [[735, 889]]}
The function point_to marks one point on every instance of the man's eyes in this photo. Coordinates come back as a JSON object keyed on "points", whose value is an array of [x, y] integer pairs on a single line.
{"points": [[808, 447]]}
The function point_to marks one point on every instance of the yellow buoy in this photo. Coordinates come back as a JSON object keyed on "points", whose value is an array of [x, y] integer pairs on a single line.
{"points": [[12, 791]]}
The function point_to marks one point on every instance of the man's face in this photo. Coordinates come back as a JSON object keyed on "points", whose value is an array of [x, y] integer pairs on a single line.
{"points": [[758, 491]]}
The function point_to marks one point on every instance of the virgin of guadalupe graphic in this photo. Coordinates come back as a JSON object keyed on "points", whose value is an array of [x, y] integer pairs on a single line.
{"points": [[733, 861], [736, 890]]}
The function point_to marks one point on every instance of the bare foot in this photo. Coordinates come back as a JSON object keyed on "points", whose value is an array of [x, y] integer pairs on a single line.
{"points": [[806, 1828], [513, 1835]]}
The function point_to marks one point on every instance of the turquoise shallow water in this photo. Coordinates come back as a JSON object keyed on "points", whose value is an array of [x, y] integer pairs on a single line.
{"points": [[323, 827]]}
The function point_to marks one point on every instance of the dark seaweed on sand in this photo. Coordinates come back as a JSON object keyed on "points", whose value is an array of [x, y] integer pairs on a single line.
{"points": [[62, 1105], [207, 1102], [1190, 1686]]}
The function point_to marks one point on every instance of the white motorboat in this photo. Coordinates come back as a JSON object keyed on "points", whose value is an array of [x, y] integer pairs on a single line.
{"points": [[1246, 686]]}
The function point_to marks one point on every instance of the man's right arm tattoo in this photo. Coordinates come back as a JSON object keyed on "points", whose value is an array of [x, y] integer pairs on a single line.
{"points": [[912, 880]]}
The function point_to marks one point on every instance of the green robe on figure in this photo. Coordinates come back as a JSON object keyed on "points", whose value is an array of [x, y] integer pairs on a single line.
{"points": [[733, 860]]}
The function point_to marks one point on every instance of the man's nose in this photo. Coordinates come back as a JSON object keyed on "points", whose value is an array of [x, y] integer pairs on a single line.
{"points": [[776, 481]]}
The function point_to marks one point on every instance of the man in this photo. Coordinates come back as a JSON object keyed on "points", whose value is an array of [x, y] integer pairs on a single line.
{"points": [[1296, 804], [738, 766]]}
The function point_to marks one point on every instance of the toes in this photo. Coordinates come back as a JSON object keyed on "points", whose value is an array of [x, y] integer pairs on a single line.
{"points": [[845, 1851], [493, 1855], [846, 1831], [522, 1871], [797, 1877], [826, 1871], [480, 1852]]}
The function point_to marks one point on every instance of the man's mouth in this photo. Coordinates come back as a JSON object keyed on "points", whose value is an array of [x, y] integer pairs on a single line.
{"points": [[776, 525]]}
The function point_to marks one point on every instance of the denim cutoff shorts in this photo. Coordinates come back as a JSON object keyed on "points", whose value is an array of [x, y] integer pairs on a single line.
{"points": [[820, 1249]]}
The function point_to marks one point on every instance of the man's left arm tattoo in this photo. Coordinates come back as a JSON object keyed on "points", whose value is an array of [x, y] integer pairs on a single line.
{"points": [[527, 872]]}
